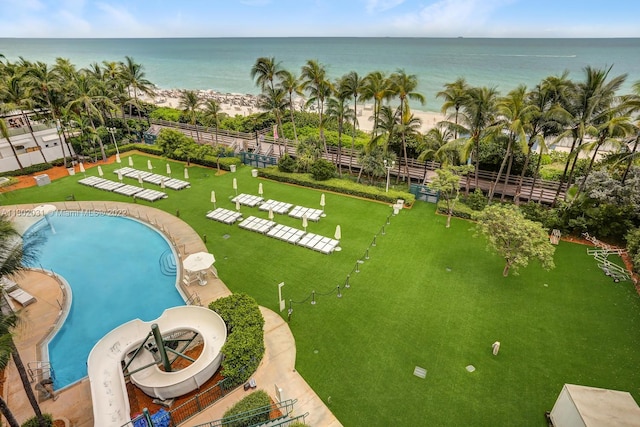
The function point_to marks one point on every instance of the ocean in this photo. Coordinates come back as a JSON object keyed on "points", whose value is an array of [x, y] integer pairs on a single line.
{"points": [[224, 64]]}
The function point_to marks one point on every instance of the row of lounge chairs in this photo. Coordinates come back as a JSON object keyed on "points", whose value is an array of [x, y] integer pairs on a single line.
{"points": [[278, 207], [124, 189], [13, 290], [275, 206], [248, 200], [226, 216], [291, 235], [153, 178]]}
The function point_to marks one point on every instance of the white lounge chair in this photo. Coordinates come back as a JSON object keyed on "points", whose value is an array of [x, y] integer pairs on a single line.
{"points": [[22, 297], [8, 285]]}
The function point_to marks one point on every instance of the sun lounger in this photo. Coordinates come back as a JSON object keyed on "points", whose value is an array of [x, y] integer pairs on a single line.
{"points": [[259, 225], [275, 206], [8, 285], [248, 200], [150, 195], [176, 184], [22, 297], [128, 190], [226, 216], [318, 243], [286, 233], [300, 211]]}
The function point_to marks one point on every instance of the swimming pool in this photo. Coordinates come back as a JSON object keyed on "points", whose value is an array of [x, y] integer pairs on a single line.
{"points": [[113, 265]]}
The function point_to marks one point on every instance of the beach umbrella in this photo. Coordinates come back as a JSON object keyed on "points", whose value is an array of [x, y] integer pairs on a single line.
{"points": [[304, 222], [260, 189], [338, 233], [199, 261], [130, 161], [237, 205], [186, 173], [162, 182], [120, 175], [235, 185], [322, 203], [168, 169], [118, 160], [140, 179], [100, 171], [271, 214], [149, 165], [213, 198], [82, 168]]}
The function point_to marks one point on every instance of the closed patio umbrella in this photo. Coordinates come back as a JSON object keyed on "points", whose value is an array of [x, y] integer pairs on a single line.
{"points": [[82, 168], [213, 198], [168, 169], [162, 185], [260, 189], [271, 214], [237, 205], [140, 179], [338, 233], [235, 185], [186, 173], [120, 176], [149, 165], [322, 203], [304, 222], [100, 171], [130, 161]]}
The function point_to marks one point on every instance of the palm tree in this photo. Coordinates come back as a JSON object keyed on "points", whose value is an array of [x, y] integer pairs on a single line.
{"points": [[190, 102], [434, 146], [264, 72], [13, 92], [314, 81], [353, 85], [5, 134], [515, 113], [135, 78], [290, 84], [12, 256], [211, 114], [403, 86], [633, 154], [454, 95], [275, 100], [376, 87], [339, 112]]}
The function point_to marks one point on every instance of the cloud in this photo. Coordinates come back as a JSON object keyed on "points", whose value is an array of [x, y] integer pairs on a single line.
{"points": [[72, 24], [377, 6]]}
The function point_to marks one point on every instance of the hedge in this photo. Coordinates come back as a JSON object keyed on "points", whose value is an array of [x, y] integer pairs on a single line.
{"points": [[33, 421], [258, 402], [460, 210], [244, 347], [208, 161], [338, 186]]}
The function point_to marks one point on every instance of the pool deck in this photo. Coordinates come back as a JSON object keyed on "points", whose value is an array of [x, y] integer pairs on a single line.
{"points": [[39, 319]]}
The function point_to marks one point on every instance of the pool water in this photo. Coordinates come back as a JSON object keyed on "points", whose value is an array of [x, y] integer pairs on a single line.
{"points": [[114, 268]]}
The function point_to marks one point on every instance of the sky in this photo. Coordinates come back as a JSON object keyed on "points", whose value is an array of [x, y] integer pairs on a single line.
{"points": [[319, 18]]}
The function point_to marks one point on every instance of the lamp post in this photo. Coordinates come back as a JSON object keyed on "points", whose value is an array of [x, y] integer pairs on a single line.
{"points": [[112, 131], [388, 167]]}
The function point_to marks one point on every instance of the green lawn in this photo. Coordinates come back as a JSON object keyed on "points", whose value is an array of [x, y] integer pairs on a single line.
{"points": [[427, 296]]}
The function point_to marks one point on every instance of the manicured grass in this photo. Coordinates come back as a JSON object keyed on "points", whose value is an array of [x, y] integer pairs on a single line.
{"points": [[427, 296]]}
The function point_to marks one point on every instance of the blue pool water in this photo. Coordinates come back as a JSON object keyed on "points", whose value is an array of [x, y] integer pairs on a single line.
{"points": [[113, 266]]}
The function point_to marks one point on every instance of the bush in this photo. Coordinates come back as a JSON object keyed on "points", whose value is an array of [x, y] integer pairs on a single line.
{"points": [[633, 247], [244, 347], [40, 167], [459, 210], [322, 170], [33, 421], [477, 201], [253, 402], [287, 164]]}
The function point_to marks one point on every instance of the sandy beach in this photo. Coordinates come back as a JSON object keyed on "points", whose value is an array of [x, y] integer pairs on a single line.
{"points": [[244, 104]]}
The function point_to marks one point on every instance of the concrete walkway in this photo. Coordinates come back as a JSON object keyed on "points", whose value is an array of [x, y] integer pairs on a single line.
{"points": [[41, 319]]}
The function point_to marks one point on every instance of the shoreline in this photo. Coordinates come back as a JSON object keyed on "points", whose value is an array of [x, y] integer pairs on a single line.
{"points": [[235, 104]]}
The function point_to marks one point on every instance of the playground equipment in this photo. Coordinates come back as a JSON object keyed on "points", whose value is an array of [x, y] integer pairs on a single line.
{"points": [[601, 254], [137, 348]]}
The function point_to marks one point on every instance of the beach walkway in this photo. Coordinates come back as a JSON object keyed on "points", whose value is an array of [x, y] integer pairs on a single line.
{"points": [[40, 319]]}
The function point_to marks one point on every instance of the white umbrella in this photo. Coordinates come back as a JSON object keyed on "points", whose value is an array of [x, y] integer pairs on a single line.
{"points": [[168, 169], [118, 160], [149, 165], [186, 173], [100, 171], [235, 185], [237, 205], [140, 179], [162, 182], [213, 198], [304, 222], [130, 161], [270, 214], [82, 168], [322, 204], [120, 175], [338, 234], [260, 189], [198, 261]]}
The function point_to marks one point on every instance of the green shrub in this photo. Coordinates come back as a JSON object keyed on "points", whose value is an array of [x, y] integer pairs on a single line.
{"points": [[286, 164], [322, 170], [254, 402], [460, 210], [33, 421], [166, 113], [337, 185], [244, 347], [477, 201], [633, 247], [40, 167]]}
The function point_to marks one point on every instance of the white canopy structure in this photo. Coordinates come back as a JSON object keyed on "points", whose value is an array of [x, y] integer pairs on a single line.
{"points": [[582, 406]]}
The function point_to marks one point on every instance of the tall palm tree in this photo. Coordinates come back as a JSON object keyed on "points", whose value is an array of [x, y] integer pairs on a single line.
{"points": [[434, 146], [264, 72], [353, 85], [291, 85], [275, 100], [314, 81], [633, 154], [588, 100], [5, 134], [404, 87], [338, 111], [13, 92], [135, 78], [211, 114], [190, 103], [515, 114], [377, 88], [12, 256], [454, 95]]}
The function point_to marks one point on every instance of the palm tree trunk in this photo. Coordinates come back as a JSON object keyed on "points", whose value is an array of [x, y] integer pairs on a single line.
{"points": [[26, 119], [95, 132], [15, 154], [22, 372], [6, 412], [630, 162], [502, 165], [506, 178], [564, 173], [588, 171], [535, 179], [573, 166], [516, 197]]}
